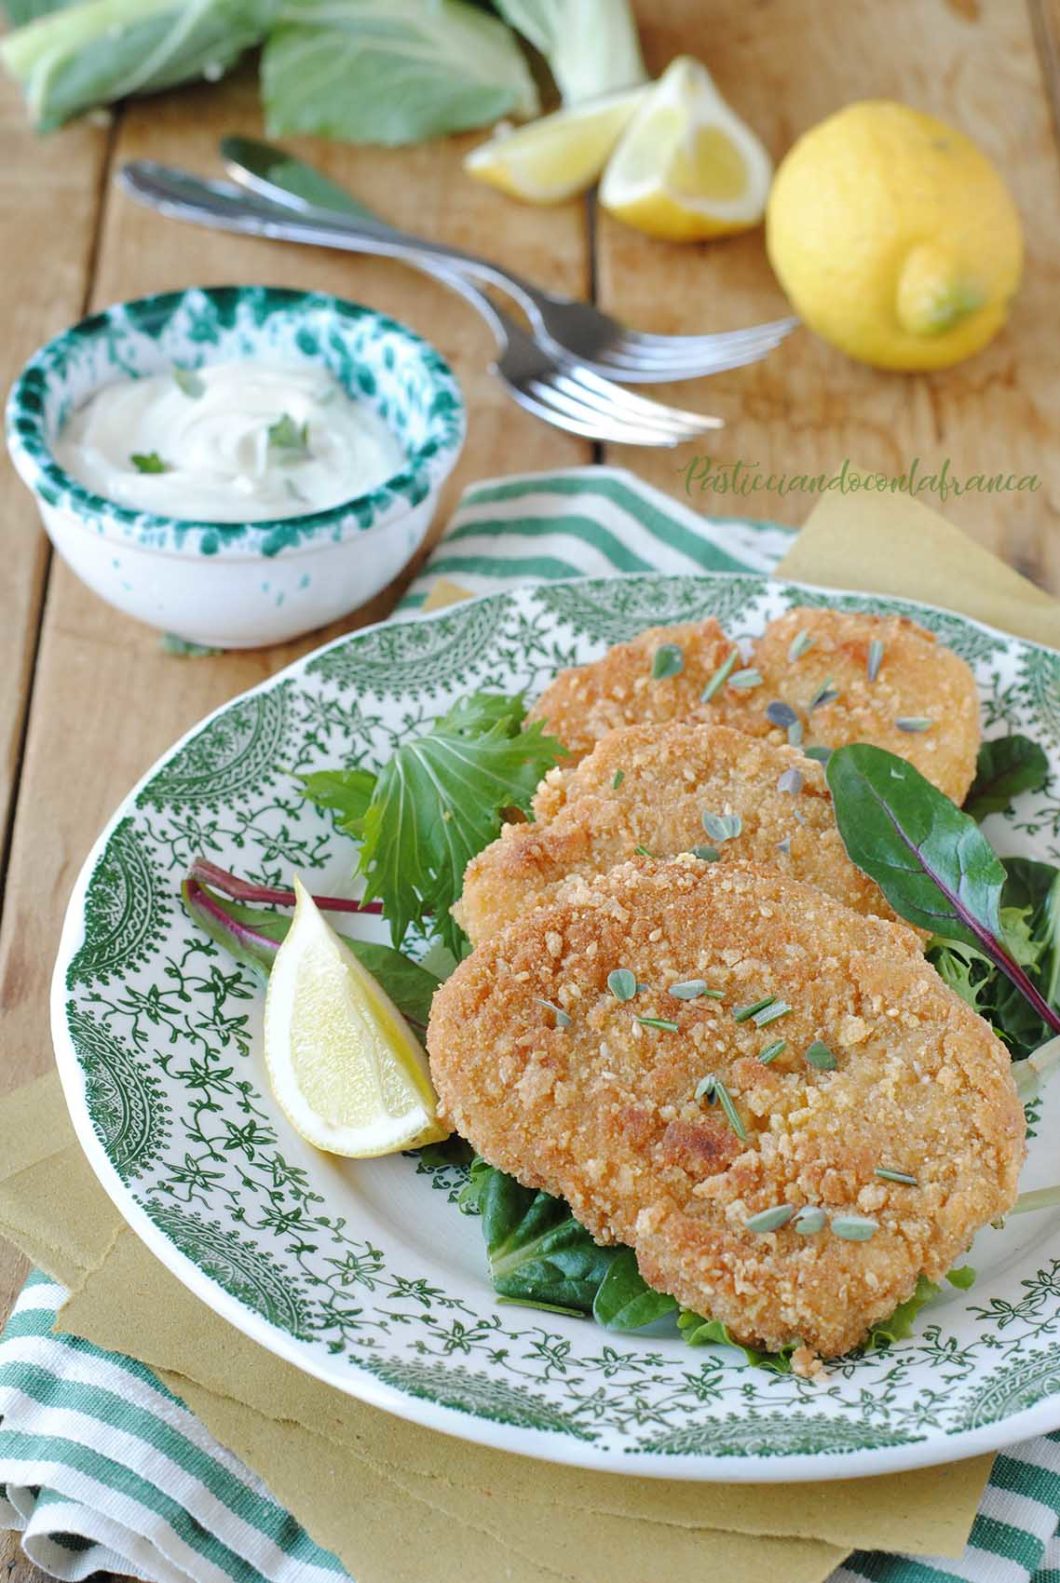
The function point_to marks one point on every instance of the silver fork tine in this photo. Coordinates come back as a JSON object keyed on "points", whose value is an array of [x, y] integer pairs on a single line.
{"points": [[639, 407], [618, 368], [637, 370], [565, 396], [540, 400], [724, 340]]}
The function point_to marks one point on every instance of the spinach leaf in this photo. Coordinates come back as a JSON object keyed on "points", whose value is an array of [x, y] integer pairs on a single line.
{"points": [[537, 1251], [253, 935], [931, 861], [1007, 766], [625, 1301]]}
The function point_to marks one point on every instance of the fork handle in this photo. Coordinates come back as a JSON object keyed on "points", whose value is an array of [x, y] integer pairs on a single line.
{"points": [[221, 204]]}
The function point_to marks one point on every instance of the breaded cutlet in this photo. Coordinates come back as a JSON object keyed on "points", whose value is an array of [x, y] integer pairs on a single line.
{"points": [[667, 789], [870, 1101]]}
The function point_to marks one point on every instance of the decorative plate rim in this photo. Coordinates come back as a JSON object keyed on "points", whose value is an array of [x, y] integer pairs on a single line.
{"points": [[787, 1467]]}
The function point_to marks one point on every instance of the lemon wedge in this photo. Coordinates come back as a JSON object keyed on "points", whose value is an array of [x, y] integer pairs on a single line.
{"points": [[557, 156], [686, 166], [344, 1065]]}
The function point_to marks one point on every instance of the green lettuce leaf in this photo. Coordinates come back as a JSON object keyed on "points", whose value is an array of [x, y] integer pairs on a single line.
{"points": [[435, 805], [391, 71], [99, 51], [591, 45], [700, 1332]]}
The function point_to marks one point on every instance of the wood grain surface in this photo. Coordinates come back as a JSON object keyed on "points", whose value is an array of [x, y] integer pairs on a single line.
{"points": [[89, 699]]}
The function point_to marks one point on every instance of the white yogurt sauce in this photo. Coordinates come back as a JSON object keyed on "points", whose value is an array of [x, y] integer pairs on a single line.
{"points": [[233, 442]]}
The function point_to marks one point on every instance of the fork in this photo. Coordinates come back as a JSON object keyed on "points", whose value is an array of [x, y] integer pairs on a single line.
{"points": [[579, 329], [549, 384]]}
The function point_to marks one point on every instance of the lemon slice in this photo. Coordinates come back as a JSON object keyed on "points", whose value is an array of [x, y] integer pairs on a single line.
{"points": [[686, 166], [345, 1067], [557, 156]]}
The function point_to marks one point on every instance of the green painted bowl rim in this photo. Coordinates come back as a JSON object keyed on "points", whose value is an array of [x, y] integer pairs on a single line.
{"points": [[31, 452]]}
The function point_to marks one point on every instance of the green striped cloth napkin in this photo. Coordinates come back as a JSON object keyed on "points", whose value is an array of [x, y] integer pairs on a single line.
{"points": [[103, 1469]]}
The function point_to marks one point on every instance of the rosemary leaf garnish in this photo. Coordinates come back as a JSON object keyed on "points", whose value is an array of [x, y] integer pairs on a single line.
{"points": [[914, 723], [288, 437], [875, 659], [149, 462], [617, 778], [809, 1221], [668, 660], [562, 1017], [770, 1219], [886, 1174], [790, 781], [822, 755], [745, 1013], [663, 1023], [768, 1014], [722, 826], [778, 713], [706, 854], [771, 1051], [622, 983], [854, 1228], [720, 677], [189, 383], [825, 694], [745, 680], [799, 645], [821, 1057], [694, 989], [712, 1088], [785, 846], [642, 851], [795, 733]]}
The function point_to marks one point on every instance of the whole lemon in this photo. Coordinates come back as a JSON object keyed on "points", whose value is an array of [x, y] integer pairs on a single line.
{"points": [[894, 237]]}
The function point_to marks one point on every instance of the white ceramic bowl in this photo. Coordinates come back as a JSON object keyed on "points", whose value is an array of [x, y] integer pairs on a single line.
{"points": [[240, 585]]}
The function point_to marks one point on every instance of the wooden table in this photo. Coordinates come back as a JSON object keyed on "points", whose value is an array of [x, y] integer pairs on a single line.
{"points": [[89, 698]]}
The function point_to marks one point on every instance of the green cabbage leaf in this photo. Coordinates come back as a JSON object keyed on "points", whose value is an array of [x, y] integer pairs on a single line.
{"points": [[591, 45], [391, 71], [98, 51]]}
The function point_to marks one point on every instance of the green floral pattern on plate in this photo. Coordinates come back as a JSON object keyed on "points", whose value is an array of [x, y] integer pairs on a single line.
{"points": [[366, 1273]]}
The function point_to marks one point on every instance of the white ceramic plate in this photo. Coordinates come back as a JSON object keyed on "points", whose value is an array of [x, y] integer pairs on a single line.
{"points": [[366, 1275]]}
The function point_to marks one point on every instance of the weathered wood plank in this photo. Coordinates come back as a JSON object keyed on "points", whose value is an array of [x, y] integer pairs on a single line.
{"points": [[45, 283]]}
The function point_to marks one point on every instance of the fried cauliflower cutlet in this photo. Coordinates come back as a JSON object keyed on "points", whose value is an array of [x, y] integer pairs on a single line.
{"points": [[598, 1106], [620, 689], [922, 704], [650, 787], [910, 695]]}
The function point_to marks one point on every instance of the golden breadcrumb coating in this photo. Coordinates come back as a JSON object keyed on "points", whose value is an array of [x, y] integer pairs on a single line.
{"points": [[668, 777], [585, 702], [918, 681], [600, 1108]]}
